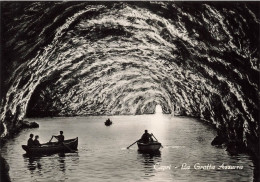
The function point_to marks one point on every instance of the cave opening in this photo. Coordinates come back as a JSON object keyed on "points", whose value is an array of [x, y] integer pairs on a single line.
{"points": [[158, 110]]}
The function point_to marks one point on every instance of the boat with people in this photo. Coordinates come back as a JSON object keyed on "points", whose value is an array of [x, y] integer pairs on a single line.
{"points": [[70, 145], [147, 143], [108, 122]]}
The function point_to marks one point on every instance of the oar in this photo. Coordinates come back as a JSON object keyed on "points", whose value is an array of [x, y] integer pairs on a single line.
{"points": [[51, 138], [132, 144], [156, 139]]}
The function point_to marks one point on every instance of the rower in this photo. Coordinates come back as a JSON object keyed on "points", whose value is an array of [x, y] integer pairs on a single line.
{"points": [[60, 137], [146, 137]]}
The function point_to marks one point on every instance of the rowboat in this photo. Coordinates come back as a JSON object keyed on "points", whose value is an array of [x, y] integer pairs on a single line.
{"points": [[53, 147], [149, 147], [108, 123]]}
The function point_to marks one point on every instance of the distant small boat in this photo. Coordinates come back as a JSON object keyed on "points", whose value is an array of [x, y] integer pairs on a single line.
{"points": [[108, 122], [52, 147], [149, 147]]}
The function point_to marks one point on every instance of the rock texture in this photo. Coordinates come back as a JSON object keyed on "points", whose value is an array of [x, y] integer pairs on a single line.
{"points": [[82, 58], [4, 170]]}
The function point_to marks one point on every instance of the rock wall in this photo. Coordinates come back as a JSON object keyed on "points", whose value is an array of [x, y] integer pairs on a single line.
{"points": [[4, 170]]}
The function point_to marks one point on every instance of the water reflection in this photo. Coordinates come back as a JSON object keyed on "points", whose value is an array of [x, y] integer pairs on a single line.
{"points": [[61, 160], [33, 162], [42, 163], [149, 160]]}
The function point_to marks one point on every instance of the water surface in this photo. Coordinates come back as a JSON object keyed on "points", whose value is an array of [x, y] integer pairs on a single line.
{"points": [[102, 154]]}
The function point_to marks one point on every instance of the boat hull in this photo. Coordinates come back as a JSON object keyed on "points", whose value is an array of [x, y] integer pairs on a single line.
{"points": [[149, 147], [108, 124], [52, 147]]}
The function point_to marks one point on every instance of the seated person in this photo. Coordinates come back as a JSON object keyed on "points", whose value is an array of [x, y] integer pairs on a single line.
{"points": [[36, 141], [146, 137], [108, 121], [30, 141], [60, 137]]}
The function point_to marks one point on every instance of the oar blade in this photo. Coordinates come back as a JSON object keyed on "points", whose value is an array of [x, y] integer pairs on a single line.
{"points": [[131, 145]]}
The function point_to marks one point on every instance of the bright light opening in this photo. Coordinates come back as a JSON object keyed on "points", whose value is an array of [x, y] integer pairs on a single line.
{"points": [[158, 109], [158, 125]]}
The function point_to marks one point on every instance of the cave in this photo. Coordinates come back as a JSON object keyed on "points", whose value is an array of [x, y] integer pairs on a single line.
{"points": [[133, 58]]}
